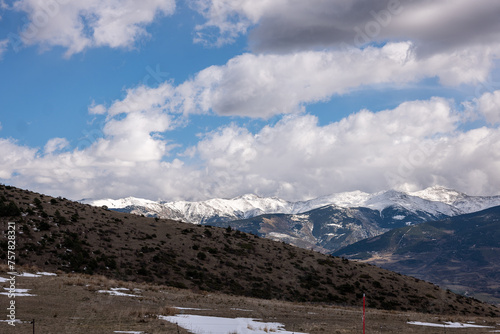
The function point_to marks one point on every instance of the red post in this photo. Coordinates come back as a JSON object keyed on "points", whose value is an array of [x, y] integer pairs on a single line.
{"points": [[364, 313]]}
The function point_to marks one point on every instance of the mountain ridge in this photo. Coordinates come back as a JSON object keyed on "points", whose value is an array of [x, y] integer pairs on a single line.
{"points": [[434, 200]]}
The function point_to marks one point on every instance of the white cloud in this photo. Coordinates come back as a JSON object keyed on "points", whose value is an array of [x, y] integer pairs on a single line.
{"points": [[297, 158], [132, 138], [489, 106], [143, 98], [231, 17], [266, 85], [415, 145], [55, 144], [96, 109], [14, 157], [3, 47], [80, 24]]}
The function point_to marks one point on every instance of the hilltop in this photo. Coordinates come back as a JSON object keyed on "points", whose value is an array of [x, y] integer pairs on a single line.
{"points": [[58, 234]]}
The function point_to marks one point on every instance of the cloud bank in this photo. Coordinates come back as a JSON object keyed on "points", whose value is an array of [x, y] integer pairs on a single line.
{"points": [[417, 144], [81, 24], [263, 86]]}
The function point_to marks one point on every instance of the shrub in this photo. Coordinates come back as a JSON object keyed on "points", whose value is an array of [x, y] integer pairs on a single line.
{"points": [[9, 210]]}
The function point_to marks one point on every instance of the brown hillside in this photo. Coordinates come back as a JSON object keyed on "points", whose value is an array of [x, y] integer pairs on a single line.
{"points": [[89, 311], [58, 234]]}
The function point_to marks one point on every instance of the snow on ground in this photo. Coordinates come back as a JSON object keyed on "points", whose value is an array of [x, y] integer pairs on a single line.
{"points": [[17, 292], [129, 332], [27, 275], [15, 320], [198, 324], [116, 292], [3, 279], [192, 308], [280, 235], [44, 273], [38, 274], [447, 324]]}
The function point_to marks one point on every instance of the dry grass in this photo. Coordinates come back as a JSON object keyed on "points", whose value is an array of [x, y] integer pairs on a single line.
{"points": [[66, 304]]}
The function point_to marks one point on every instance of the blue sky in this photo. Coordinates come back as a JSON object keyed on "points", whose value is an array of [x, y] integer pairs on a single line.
{"points": [[195, 99]]}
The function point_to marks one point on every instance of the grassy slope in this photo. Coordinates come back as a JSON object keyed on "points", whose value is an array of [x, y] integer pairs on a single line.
{"points": [[57, 234], [70, 303]]}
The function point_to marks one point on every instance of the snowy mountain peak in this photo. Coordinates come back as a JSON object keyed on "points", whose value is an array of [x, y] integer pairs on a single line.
{"points": [[439, 194], [120, 203], [435, 200], [248, 197]]}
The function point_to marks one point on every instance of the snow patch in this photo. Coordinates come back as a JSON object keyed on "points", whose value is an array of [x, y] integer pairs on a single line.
{"points": [[116, 292], [198, 324], [447, 324], [335, 225], [17, 292], [15, 320], [27, 275], [44, 273], [280, 235]]}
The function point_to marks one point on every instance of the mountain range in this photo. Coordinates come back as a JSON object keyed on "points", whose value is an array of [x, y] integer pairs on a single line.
{"points": [[435, 200], [325, 224]]}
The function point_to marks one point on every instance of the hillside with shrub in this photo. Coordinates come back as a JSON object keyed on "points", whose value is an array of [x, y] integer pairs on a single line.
{"points": [[58, 234]]}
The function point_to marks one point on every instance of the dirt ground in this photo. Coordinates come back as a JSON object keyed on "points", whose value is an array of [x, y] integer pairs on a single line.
{"points": [[70, 303]]}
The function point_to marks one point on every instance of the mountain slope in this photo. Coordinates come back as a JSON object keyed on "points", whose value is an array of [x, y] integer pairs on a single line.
{"points": [[57, 234], [459, 253], [329, 228]]}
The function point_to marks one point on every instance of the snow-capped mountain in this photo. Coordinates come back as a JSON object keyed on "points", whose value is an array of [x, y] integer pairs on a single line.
{"points": [[463, 202], [241, 207], [434, 201]]}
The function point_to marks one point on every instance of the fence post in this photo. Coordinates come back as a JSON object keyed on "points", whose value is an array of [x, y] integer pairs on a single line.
{"points": [[364, 313]]}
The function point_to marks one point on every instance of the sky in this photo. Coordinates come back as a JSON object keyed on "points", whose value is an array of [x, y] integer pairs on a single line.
{"points": [[197, 99]]}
